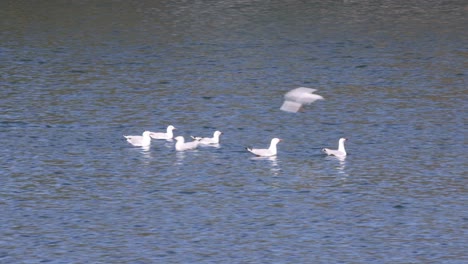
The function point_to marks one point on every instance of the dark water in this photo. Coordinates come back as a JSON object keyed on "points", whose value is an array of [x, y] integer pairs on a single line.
{"points": [[77, 75]]}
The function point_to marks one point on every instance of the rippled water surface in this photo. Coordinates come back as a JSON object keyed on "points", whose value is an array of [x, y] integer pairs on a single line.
{"points": [[77, 75]]}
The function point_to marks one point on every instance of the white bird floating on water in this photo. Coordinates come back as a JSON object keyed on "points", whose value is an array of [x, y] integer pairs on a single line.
{"points": [[271, 151], [209, 141], [296, 98], [162, 135], [181, 145], [140, 141], [340, 152]]}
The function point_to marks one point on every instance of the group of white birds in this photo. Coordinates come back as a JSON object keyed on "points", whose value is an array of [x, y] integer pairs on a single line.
{"points": [[294, 101], [145, 139]]}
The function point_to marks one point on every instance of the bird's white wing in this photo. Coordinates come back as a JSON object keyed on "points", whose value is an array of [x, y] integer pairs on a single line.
{"points": [[159, 135], [295, 98], [291, 106], [134, 140], [191, 145], [333, 152], [302, 95], [260, 152]]}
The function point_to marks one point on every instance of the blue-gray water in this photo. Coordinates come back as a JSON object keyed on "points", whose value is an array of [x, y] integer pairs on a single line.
{"points": [[77, 75]]}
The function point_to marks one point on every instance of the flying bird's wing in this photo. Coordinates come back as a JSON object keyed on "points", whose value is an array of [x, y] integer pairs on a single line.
{"points": [[296, 98]]}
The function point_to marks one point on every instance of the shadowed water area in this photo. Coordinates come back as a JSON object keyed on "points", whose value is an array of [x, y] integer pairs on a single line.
{"points": [[75, 76]]}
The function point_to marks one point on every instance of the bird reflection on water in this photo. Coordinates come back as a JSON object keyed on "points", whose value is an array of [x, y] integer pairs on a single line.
{"points": [[341, 165], [273, 160]]}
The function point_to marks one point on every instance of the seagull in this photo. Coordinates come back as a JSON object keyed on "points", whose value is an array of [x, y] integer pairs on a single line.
{"points": [[296, 98], [162, 135], [140, 141], [207, 140], [271, 151], [181, 145], [340, 152]]}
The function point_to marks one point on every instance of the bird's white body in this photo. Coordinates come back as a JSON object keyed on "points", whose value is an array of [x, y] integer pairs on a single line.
{"points": [[271, 151], [140, 141], [181, 145], [296, 98], [208, 140], [161, 135], [340, 152]]}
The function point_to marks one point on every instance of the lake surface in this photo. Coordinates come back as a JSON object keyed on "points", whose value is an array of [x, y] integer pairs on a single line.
{"points": [[77, 75]]}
